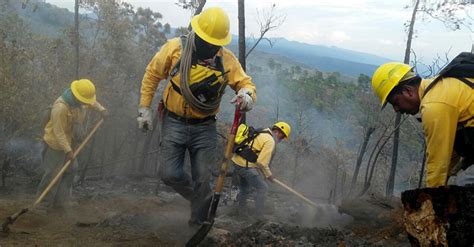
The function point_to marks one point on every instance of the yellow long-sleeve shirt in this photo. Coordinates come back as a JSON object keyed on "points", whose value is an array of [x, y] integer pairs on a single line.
{"points": [[59, 129], [263, 146], [164, 61], [448, 103]]}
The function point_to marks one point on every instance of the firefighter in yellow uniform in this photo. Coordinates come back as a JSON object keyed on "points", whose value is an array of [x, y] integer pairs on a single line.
{"points": [[67, 111], [447, 116], [197, 68], [248, 165]]}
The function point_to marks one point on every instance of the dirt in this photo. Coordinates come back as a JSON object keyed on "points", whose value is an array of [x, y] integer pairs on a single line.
{"points": [[105, 215], [131, 212]]}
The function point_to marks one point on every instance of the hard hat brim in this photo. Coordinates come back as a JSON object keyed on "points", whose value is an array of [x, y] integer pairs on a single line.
{"points": [[197, 29], [393, 84], [88, 101]]}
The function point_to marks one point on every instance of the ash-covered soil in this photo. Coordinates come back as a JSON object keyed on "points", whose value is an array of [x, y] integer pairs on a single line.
{"points": [[143, 212]]}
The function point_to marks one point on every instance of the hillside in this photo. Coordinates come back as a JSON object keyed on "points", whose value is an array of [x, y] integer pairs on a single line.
{"points": [[48, 19], [324, 58]]}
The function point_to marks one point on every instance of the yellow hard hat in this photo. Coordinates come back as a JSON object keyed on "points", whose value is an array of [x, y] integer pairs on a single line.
{"points": [[212, 25], [387, 77], [84, 91], [283, 127]]}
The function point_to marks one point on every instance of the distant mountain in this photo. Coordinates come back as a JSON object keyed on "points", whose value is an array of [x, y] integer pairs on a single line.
{"points": [[44, 18], [48, 19], [324, 58]]}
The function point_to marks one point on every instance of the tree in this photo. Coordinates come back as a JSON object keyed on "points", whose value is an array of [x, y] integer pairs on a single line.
{"points": [[195, 6], [268, 21], [150, 31], [76, 36], [449, 12], [393, 166], [363, 81], [241, 16]]}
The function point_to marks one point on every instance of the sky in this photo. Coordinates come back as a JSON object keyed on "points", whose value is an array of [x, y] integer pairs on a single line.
{"points": [[371, 26]]}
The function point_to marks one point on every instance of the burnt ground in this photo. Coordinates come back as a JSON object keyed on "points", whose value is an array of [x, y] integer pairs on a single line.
{"points": [[131, 212]]}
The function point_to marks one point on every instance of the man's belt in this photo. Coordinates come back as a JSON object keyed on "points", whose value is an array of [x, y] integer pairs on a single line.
{"points": [[188, 120]]}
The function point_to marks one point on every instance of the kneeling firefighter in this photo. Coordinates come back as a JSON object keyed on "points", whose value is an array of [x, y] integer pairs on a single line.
{"points": [[446, 104], [253, 153], [197, 68]]}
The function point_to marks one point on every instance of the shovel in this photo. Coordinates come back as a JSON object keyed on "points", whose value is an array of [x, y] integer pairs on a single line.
{"points": [[295, 193], [11, 219], [206, 227]]}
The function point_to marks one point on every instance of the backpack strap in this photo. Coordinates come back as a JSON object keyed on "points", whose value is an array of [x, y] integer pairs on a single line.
{"points": [[461, 67], [174, 71]]}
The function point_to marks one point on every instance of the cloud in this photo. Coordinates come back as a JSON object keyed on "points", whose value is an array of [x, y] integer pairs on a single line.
{"points": [[338, 37], [385, 41]]}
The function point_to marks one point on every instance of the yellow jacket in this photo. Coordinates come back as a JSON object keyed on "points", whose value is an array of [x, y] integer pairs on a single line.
{"points": [[164, 61], [448, 103], [59, 129], [263, 146]]}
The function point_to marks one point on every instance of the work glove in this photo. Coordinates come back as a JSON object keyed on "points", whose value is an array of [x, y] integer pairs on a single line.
{"points": [[246, 101], [271, 178], [70, 155], [104, 113], [144, 118]]}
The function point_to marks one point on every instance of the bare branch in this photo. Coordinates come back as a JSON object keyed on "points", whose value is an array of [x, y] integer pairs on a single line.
{"points": [[268, 21]]}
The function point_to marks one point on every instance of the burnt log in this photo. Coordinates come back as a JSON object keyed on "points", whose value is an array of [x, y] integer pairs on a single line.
{"points": [[441, 216]]}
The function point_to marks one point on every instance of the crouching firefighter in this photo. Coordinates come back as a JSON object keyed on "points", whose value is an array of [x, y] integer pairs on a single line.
{"points": [[254, 149], [197, 68], [446, 104]]}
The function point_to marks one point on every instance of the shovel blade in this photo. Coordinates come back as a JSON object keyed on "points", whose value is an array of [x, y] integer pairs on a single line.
{"points": [[11, 219], [207, 225], [200, 234]]}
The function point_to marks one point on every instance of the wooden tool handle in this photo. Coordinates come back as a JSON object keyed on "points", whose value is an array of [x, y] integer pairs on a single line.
{"points": [[295, 192], [68, 163]]}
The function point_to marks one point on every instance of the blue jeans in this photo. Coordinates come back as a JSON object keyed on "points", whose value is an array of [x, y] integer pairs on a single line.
{"points": [[200, 141], [250, 177]]}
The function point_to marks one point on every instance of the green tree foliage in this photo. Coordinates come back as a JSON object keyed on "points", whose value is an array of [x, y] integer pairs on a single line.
{"points": [[363, 81]]}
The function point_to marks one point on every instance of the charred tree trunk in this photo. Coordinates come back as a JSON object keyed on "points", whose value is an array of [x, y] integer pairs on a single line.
{"points": [[241, 9], [343, 182], [362, 151], [135, 145], [76, 37], [103, 156], [5, 168], [393, 167], [146, 148], [423, 162], [441, 216], [87, 159], [334, 195], [370, 175]]}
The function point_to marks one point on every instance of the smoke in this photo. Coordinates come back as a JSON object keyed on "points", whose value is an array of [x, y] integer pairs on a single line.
{"points": [[23, 151]]}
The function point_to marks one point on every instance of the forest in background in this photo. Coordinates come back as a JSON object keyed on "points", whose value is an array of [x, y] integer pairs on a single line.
{"points": [[332, 115]]}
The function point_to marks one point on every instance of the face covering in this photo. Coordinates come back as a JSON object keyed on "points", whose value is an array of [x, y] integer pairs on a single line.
{"points": [[205, 50], [275, 138], [70, 99]]}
